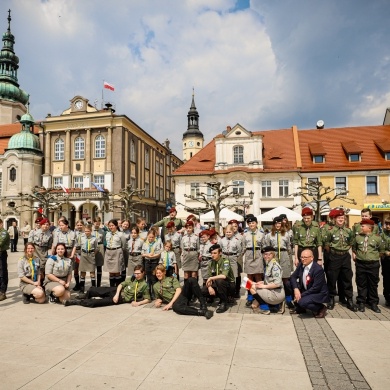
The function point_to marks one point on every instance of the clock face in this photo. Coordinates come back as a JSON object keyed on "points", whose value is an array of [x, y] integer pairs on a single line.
{"points": [[190, 143], [79, 104]]}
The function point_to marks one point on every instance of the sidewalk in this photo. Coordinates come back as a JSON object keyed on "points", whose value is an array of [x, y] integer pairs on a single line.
{"points": [[50, 346]]}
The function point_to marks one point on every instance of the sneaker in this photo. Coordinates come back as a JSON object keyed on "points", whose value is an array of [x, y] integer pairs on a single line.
{"points": [[26, 299], [265, 312], [53, 299]]}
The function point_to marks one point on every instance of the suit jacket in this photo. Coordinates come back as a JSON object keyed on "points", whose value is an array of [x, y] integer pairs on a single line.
{"points": [[316, 287]]}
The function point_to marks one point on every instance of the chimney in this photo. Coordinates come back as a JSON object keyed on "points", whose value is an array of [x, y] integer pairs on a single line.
{"points": [[228, 128]]}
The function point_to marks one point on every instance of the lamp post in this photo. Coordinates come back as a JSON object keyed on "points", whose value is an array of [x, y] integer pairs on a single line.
{"points": [[246, 205]]}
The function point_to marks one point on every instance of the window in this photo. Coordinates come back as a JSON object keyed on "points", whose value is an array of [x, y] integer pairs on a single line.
{"points": [[238, 155], [168, 183], [318, 159], [147, 188], [133, 182], [354, 157], [210, 193], [266, 188], [79, 148], [100, 147], [283, 188], [99, 180], [147, 159], [161, 169], [78, 182], [372, 185], [313, 180], [195, 190], [132, 150], [59, 149], [238, 188], [57, 182], [12, 174], [161, 193], [341, 185], [157, 193], [387, 155]]}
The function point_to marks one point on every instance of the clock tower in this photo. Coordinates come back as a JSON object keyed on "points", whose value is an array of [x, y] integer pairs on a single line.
{"points": [[193, 137]]}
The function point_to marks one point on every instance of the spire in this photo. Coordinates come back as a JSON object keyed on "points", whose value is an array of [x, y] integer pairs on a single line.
{"points": [[193, 120], [9, 64]]}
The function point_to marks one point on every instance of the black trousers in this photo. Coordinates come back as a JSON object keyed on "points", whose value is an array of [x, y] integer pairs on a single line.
{"points": [[14, 243], [367, 279], [3, 271], [190, 288], [223, 289], [105, 293], [339, 268], [386, 277], [313, 249], [150, 265]]}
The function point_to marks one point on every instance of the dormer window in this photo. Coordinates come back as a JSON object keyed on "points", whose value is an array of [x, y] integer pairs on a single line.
{"points": [[354, 157], [317, 152], [318, 159], [387, 155], [384, 147], [352, 150], [238, 155]]}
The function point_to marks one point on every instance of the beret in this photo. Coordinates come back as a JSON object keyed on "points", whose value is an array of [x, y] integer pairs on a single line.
{"points": [[191, 216], [172, 209], [277, 219], [251, 218], [170, 224], [204, 232], [43, 221], [214, 247], [267, 249], [283, 216], [212, 232], [189, 223], [367, 222], [338, 213], [233, 221], [38, 220], [307, 211]]}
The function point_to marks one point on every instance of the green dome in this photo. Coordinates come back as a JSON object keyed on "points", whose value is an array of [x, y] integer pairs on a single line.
{"points": [[11, 92], [24, 140]]}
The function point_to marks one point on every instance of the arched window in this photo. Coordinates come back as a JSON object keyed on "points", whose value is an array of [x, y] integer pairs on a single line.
{"points": [[59, 145], [238, 155], [132, 150], [100, 147], [79, 148], [147, 159], [12, 174]]}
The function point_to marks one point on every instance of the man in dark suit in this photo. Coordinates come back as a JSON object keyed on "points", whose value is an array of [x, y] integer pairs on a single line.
{"points": [[309, 284]]}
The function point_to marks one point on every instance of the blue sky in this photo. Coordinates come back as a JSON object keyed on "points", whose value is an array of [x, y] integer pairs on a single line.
{"points": [[264, 64]]}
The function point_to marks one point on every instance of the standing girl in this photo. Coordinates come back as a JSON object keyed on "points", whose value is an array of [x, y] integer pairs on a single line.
{"points": [[127, 232], [79, 231], [190, 251], [134, 246], [100, 234], [151, 250]]}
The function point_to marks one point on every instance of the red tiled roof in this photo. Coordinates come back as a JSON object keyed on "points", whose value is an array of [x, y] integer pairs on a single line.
{"points": [[317, 149], [337, 143]]}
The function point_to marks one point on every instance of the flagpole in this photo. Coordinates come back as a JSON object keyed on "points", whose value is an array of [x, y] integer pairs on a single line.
{"points": [[102, 95]]}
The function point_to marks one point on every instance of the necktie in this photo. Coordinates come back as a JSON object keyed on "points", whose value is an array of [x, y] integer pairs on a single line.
{"points": [[278, 241], [342, 239], [166, 261], [132, 247], [305, 273], [112, 239], [307, 235], [254, 244]]}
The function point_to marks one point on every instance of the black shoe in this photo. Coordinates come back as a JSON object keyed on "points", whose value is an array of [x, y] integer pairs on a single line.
{"points": [[351, 306], [26, 299], [237, 295], [203, 305], [222, 308], [205, 313], [210, 301], [387, 303], [290, 305], [76, 287], [361, 307], [343, 301], [248, 303], [71, 302], [331, 303], [374, 307]]}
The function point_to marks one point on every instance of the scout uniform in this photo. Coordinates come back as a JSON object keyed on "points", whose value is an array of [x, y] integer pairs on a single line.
{"points": [[113, 258], [89, 246], [281, 244], [163, 223], [42, 241], [165, 289], [189, 252], [253, 262], [4, 245], [68, 238], [28, 268], [338, 241], [60, 267], [308, 237], [204, 256], [357, 228], [367, 248], [155, 248], [99, 256], [272, 274], [175, 238], [134, 247], [231, 250], [385, 262], [168, 259]]}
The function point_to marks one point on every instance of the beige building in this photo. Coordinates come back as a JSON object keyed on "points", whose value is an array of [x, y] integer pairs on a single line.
{"points": [[86, 145]]}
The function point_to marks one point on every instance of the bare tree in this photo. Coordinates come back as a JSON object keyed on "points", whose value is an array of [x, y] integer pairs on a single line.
{"points": [[213, 201], [320, 197], [126, 202]]}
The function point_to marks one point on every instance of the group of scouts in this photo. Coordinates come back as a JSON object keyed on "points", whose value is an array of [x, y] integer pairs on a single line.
{"points": [[152, 261]]}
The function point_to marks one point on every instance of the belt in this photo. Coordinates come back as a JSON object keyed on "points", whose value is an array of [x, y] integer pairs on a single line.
{"points": [[230, 253], [190, 250], [100, 243], [251, 249], [112, 249], [176, 247], [337, 252], [42, 246], [82, 250], [281, 249], [134, 253], [69, 247]]}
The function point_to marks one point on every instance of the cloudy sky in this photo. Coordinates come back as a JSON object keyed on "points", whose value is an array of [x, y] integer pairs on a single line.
{"points": [[262, 63]]}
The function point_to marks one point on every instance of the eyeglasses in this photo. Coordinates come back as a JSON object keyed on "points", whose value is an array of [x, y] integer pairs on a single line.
{"points": [[306, 257]]}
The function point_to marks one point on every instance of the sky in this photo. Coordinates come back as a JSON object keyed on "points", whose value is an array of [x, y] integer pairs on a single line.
{"points": [[264, 64]]}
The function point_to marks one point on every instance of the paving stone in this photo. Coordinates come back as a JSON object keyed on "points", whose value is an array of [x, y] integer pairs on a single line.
{"points": [[361, 385], [318, 381], [316, 374]]}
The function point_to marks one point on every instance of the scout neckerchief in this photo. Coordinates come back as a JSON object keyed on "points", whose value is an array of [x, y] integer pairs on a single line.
{"points": [[151, 248], [278, 243], [34, 275], [365, 244], [166, 260], [254, 243], [307, 234], [135, 291], [341, 235]]}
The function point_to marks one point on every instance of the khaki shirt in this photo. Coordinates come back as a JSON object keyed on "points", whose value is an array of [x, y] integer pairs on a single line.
{"points": [[308, 236], [99, 234], [154, 247], [166, 288], [88, 244], [116, 240], [175, 238], [68, 238], [135, 246], [135, 290], [190, 242], [41, 239], [273, 273], [168, 259], [371, 250], [221, 267], [25, 269], [60, 267]]}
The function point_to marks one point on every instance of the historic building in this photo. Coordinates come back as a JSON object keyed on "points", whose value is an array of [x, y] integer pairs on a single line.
{"points": [[85, 145]]}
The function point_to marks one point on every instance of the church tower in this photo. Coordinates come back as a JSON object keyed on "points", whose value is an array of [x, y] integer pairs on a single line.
{"points": [[193, 137], [12, 99]]}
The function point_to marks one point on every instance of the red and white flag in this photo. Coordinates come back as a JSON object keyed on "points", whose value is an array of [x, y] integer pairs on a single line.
{"points": [[66, 190], [108, 86], [246, 283]]}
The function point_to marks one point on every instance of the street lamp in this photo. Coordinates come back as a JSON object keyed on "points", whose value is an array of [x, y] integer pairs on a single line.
{"points": [[246, 205]]}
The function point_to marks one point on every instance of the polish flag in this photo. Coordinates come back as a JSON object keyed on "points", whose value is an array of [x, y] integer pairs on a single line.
{"points": [[40, 210], [246, 283], [77, 258], [108, 86], [66, 190]]}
